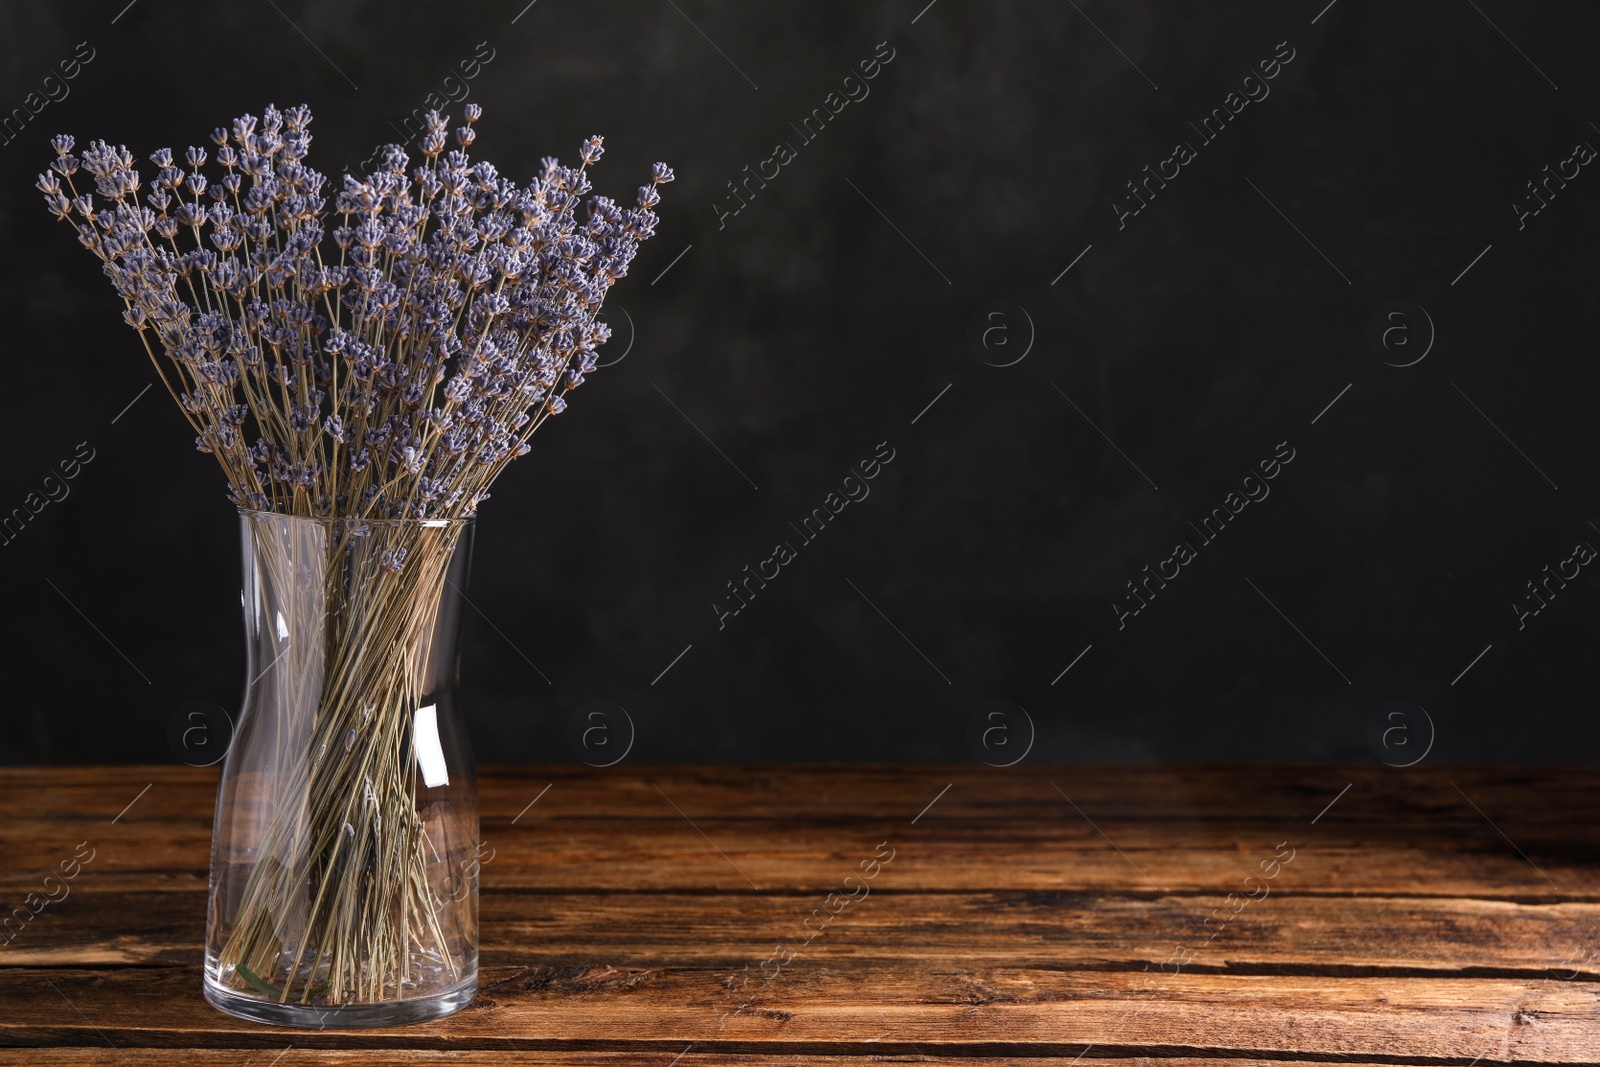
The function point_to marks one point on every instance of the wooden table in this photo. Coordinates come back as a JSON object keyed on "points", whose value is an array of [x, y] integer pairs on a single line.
{"points": [[1024, 915]]}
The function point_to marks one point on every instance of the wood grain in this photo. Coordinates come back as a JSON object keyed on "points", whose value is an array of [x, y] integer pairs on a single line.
{"points": [[1028, 914]]}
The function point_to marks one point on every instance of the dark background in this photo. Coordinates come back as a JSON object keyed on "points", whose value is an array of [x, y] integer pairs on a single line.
{"points": [[811, 327]]}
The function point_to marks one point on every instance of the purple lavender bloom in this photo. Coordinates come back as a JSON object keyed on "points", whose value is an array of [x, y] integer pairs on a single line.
{"points": [[392, 373]]}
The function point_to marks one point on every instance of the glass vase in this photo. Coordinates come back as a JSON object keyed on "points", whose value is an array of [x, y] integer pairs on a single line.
{"points": [[344, 887]]}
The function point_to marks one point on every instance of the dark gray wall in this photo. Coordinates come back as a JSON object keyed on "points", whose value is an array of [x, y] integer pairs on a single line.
{"points": [[822, 319]]}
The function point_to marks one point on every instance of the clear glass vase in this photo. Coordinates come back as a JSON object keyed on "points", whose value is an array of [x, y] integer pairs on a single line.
{"points": [[344, 887]]}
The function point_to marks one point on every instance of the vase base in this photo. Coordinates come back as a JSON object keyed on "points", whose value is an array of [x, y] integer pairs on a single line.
{"points": [[342, 1017]]}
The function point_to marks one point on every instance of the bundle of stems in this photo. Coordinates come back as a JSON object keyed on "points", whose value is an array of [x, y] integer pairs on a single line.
{"points": [[379, 386], [339, 906]]}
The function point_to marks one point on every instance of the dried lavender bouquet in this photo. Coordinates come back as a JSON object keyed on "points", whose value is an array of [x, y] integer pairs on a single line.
{"points": [[381, 390]]}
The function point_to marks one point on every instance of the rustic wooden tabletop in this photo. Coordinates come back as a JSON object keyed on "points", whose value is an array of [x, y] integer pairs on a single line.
{"points": [[843, 915]]}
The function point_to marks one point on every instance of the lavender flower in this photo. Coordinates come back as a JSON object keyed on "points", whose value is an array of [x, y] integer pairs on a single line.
{"points": [[384, 363]]}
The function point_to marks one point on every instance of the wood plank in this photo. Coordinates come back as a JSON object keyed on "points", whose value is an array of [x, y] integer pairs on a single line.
{"points": [[990, 831], [1284, 934], [1266, 793], [853, 1008], [652, 855]]}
